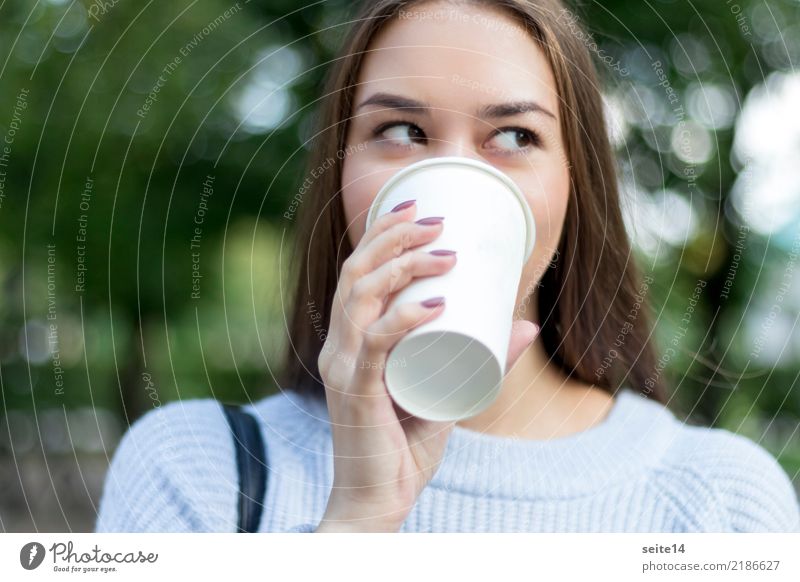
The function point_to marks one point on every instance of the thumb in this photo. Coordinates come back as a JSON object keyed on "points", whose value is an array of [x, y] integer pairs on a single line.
{"points": [[523, 332]]}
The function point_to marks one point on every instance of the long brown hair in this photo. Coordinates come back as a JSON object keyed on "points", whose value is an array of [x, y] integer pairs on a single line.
{"points": [[594, 317]]}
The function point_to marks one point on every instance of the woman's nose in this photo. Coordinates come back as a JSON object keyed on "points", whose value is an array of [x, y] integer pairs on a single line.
{"points": [[460, 147]]}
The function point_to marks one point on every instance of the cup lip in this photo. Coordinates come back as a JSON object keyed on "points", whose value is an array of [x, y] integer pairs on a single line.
{"points": [[530, 234]]}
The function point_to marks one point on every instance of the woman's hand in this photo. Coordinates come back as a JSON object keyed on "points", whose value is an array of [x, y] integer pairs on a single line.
{"points": [[383, 456]]}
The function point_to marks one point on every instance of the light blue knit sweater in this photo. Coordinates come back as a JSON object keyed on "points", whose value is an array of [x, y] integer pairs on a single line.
{"points": [[639, 470]]}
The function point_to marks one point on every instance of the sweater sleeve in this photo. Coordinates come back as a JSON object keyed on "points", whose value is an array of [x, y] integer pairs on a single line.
{"points": [[172, 473], [754, 492], [175, 471]]}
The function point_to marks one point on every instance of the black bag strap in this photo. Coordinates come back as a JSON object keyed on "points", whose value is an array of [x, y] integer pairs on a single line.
{"points": [[252, 466]]}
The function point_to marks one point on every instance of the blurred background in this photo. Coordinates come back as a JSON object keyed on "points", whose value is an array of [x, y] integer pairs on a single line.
{"points": [[150, 150]]}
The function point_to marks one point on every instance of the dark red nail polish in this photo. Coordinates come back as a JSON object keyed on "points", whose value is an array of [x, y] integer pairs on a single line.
{"points": [[403, 205], [432, 302], [430, 220], [442, 252]]}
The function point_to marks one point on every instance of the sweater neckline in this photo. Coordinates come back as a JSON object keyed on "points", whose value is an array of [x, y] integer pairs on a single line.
{"points": [[632, 437]]}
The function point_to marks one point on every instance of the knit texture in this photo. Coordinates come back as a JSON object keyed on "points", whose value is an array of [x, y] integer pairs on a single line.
{"points": [[639, 470]]}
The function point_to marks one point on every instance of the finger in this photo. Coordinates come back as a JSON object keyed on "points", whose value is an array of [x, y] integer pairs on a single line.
{"points": [[523, 333], [355, 265], [391, 243], [383, 335], [370, 294], [387, 220], [397, 273]]}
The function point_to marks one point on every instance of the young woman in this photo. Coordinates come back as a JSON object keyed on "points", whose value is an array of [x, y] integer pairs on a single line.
{"points": [[579, 438]]}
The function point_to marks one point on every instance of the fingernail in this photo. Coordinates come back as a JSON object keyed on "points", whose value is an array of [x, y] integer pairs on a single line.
{"points": [[442, 253], [430, 220], [403, 205], [432, 302]]}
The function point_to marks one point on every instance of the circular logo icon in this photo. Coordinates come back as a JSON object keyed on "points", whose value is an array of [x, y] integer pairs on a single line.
{"points": [[31, 555]]}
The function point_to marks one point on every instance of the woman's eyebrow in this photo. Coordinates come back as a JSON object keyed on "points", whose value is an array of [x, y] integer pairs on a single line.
{"points": [[392, 101], [512, 108]]}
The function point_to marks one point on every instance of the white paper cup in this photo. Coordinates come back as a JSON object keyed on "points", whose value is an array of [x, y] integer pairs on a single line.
{"points": [[452, 367]]}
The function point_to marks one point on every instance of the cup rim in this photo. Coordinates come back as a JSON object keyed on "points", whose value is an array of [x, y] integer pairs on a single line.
{"points": [[530, 234]]}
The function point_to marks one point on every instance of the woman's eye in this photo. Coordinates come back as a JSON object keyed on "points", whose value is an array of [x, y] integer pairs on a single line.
{"points": [[513, 139], [400, 133]]}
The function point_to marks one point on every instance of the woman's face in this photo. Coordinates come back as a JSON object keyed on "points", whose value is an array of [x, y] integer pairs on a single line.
{"points": [[470, 83]]}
